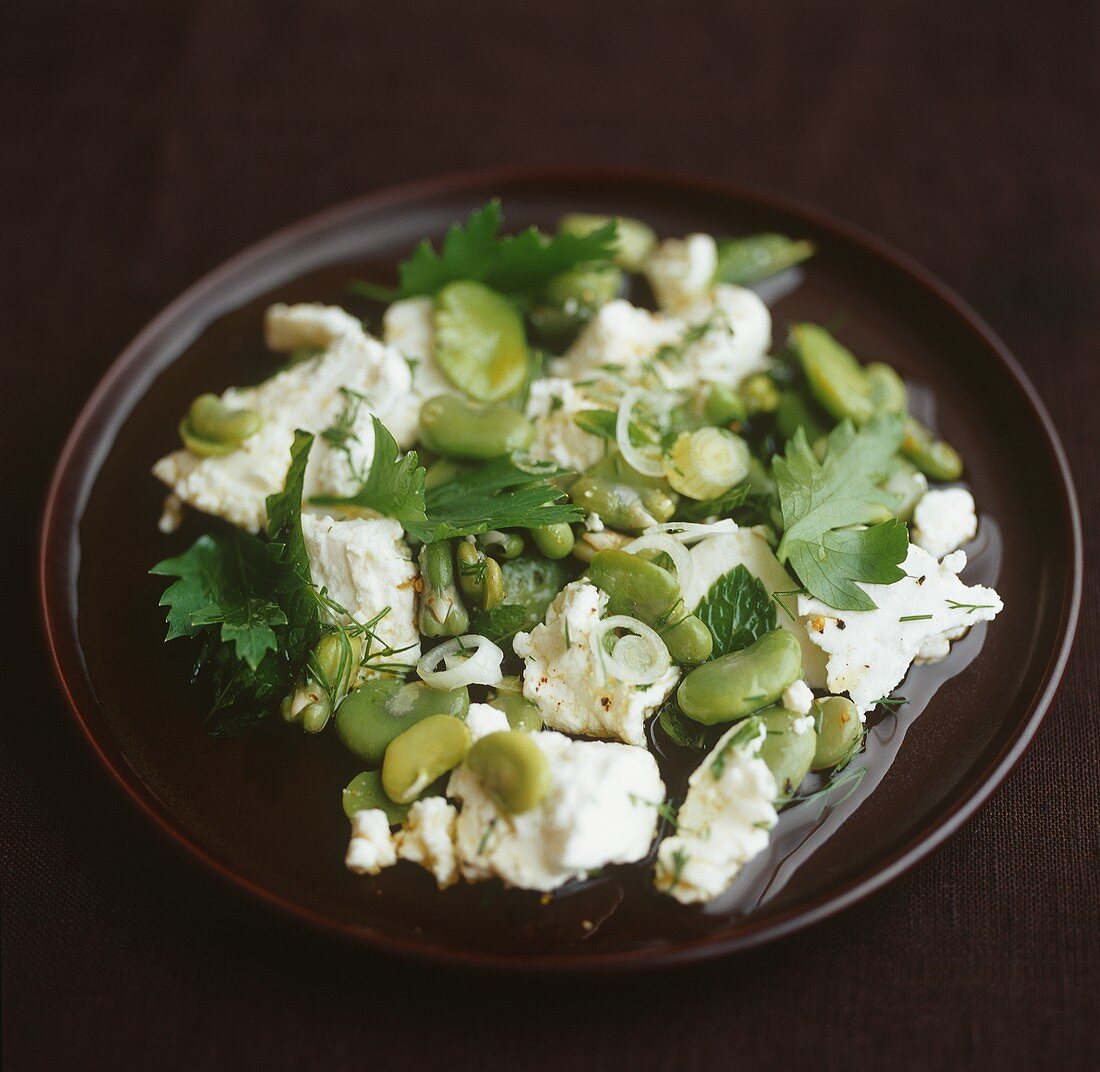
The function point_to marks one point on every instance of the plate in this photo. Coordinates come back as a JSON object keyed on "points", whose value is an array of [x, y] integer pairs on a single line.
{"points": [[264, 811]]}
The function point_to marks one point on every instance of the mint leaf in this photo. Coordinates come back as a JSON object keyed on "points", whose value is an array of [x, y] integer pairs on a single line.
{"points": [[737, 610], [691, 510], [394, 487], [496, 495], [680, 729], [501, 623], [818, 498], [515, 265]]}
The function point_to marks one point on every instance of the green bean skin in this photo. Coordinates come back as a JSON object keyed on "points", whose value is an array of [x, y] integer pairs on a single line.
{"points": [[788, 754], [934, 457], [735, 685], [457, 429], [442, 613], [839, 731], [554, 541], [380, 709], [744, 261]]}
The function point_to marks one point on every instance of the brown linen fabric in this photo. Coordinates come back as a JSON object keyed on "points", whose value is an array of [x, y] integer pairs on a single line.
{"points": [[147, 141]]}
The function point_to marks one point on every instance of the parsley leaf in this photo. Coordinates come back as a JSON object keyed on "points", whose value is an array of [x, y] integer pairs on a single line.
{"points": [[496, 495], [501, 623], [737, 610], [515, 264], [680, 729], [252, 604], [819, 499], [394, 486], [700, 510]]}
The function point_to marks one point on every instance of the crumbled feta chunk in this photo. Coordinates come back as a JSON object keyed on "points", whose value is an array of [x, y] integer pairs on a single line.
{"points": [[408, 327], [483, 719], [601, 809], [944, 519], [371, 847], [552, 406], [736, 340], [427, 838], [593, 523], [802, 725], [715, 556], [620, 337], [309, 395], [681, 270], [723, 822], [869, 651], [308, 325], [798, 698], [366, 566], [566, 679]]}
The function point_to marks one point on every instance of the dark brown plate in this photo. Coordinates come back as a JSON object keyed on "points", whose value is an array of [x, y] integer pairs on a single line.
{"points": [[264, 811]]}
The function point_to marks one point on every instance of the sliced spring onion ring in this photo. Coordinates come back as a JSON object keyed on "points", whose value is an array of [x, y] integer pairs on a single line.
{"points": [[675, 549], [687, 532], [469, 660], [639, 658], [639, 459]]}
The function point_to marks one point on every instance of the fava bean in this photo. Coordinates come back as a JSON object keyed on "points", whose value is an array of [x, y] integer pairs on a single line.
{"points": [[570, 299], [442, 471], [458, 429], [591, 544], [724, 406], [788, 754], [888, 391], [734, 685], [932, 456], [688, 640], [502, 546], [554, 541], [424, 752], [839, 731], [521, 713], [441, 610], [479, 577], [382, 708], [512, 769], [836, 378], [633, 239], [744, 261], [634, 586], [213, 429], [365, 792]]}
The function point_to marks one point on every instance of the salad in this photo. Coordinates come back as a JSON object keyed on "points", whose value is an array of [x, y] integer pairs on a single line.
{"points": [[530, 538]]}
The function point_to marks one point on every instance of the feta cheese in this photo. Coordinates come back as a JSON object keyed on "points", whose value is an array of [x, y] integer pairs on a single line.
{"points": [[869, 651], [621, 337], [736, 342], [593, 523], [802, 725], [798, 698], [366, 566], [408, 327], [566, 680], [483, 719], [552, 406], [427, 838], [371, 847], [681, 270], [601, 809], [723, 823], [307, 325], [309, 395], [944, 519], [715, 556]]}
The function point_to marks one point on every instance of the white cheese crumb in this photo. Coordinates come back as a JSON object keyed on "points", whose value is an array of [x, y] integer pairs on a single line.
{"points": [[593, 523], [483, 719], [567, 681], [802, 725], [408, 327], [366, 566], [552, 407], [371, 847], [307, 325], [723, 823], [798, 698], [869, 651], [428, 839], [944, 519], [602, 808]]}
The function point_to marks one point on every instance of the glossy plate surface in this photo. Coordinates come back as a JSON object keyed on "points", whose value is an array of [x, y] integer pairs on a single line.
{"points": [[264, 811]]}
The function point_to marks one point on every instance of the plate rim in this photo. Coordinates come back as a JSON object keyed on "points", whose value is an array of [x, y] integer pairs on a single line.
{"points": [[58, 515]]}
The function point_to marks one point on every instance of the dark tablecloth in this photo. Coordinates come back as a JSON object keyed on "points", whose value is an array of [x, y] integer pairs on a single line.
{"points": [[146, 141]]}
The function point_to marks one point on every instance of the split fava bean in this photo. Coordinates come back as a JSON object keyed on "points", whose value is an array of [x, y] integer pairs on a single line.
{"points": [[836, 378], [458, 429], [839, 731], [932, 456], [383, 708], [479, 576], [787, 753], [512, 769], [424, 752], [442, 613], [735, 685], [212, 428]]}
